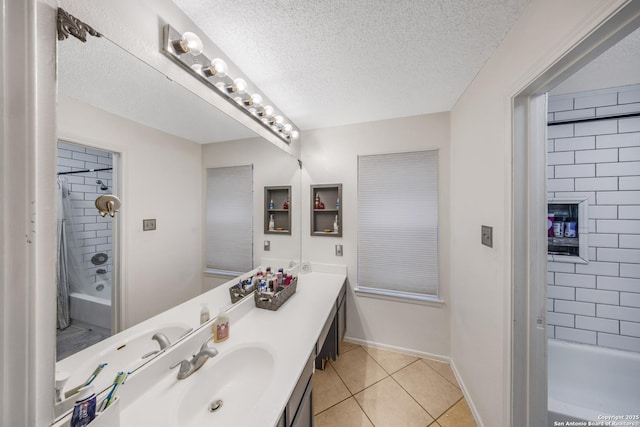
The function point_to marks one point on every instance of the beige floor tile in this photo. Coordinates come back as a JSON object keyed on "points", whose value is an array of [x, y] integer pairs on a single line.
{"points": [[358, 370], [429, 388], [344, 414], [347, 346], [443, 369], [328, 389], [458, 416], [391, 361], [388, 405]]}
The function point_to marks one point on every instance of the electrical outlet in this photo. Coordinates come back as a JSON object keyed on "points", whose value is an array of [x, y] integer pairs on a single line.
{"points": [[487, 236], [148, 224], [338, 250], [267, 245]]}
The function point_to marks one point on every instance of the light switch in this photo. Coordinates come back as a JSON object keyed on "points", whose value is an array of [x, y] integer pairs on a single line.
{"points": [[487, 236], [148, 224], [267, 245], [338, 250]]}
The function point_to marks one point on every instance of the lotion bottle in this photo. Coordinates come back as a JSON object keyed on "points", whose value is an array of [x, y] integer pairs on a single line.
{"points": [[221, 327], [272, 223], [204, 313]]}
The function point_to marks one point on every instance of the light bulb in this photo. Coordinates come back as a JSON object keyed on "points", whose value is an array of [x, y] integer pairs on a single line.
{"points": [[238, 99], [267, 111], [197, 68], [188, 43], [222, 86], [252, 111], [239, 86], [278, 121], [217, 68], [254, 100], [287, 128], [295, 134]]}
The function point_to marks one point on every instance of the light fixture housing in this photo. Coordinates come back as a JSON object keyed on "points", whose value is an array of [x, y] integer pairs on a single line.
{"points": [[215, 74]]}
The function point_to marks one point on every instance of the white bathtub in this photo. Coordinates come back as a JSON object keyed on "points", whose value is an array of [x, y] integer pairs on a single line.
{"points": [[589, 383], [90, 309]]}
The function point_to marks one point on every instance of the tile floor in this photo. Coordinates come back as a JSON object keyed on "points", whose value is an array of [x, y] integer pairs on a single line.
{"points": [[368, 387]]}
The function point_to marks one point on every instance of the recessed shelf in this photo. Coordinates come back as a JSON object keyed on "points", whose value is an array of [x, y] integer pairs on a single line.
{"points": [[329, 217], [280, 196]]}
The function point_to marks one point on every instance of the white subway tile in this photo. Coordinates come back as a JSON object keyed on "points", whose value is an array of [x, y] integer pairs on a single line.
{"points": [[71, 147], [78, 164], [599, 296], [603, 212], [560, 319], [618, 169], [574, 307], [85, 235], [629, 314], [630, 299], [597, 324], [631, 329], [561, 184], [603, 240], [560, 131], [630, 241], [96, 226], [576, 171], [550, 277], [64, 153], [584, 113], [573, 144], [629, 154], [549, 304], [561, 292], [619, 341], [84, 219], [96, 241], [622, 284], [84, 157], [630, 182], [597, 156], [602, 127], [618, 109], [596, 184], [563, 267], [560, 158], [629, 96], [592, 226], [596, 100], [619, 140], [551, 331], [103, 233], [550, 117], [592, 254], [96, 152], [598, 268], [631, 271], [620, 226], [629, 212], [550, 172], [618, 197], [575, 335], [630, 125], [589, 195], [559, 104], [619, 255]]}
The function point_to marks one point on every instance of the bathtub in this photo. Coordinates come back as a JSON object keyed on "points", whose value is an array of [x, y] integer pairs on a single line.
{"points": [[94, 309], [589, 383]]}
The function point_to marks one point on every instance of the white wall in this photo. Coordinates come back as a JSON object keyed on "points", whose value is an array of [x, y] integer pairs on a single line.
{"points": [[271, 167], [161, 178], [330, 156], [481, 185]]}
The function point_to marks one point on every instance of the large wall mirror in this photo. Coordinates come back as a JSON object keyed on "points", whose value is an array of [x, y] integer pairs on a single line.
{"points": [[125, 129]]}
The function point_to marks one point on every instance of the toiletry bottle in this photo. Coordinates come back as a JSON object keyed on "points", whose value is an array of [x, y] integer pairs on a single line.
{"points": [[335, 224], [285, 206], [221, 327], [337, 203], [271, 205], [204, 313], [84, 410], [317, 202], [272, 223]]}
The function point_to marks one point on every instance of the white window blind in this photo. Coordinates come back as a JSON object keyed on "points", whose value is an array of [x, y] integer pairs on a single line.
{"points": [[230, 218], [398, 223]]}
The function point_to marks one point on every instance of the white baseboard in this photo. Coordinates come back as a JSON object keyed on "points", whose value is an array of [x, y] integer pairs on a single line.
{"points": [[467, 396], [398, 349]]}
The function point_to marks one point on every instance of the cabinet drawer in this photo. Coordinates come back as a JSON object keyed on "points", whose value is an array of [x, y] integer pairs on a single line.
{"points": [[298, 391]]}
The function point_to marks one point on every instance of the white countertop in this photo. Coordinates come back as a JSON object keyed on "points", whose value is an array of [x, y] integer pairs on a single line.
{"points": [[289, 334]]}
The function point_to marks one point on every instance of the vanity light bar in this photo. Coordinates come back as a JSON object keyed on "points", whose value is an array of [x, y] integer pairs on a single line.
{"points": [[186, 49]]}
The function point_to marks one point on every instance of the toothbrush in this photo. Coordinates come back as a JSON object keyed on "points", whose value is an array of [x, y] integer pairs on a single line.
{"points": [[87, 382], [119, 380]]}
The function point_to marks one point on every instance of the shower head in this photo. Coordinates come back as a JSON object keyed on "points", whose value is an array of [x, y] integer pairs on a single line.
{"points": [[103, 186]]}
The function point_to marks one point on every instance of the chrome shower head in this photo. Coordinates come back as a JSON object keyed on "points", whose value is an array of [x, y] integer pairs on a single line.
{"points": [[103, 186]]}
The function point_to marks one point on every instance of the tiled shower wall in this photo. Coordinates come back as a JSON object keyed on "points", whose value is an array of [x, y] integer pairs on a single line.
{"points": [[93, 231], [598, 303]]}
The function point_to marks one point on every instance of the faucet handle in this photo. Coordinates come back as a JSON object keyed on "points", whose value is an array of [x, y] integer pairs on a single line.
{"points": [[205, 344], [162, 340]]}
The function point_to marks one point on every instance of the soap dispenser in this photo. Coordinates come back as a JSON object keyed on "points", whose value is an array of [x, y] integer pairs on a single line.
{"points": [[204, 313], [221, 327]]}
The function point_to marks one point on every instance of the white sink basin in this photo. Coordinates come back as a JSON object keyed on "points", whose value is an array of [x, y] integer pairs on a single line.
{"points": [[237, 377]]}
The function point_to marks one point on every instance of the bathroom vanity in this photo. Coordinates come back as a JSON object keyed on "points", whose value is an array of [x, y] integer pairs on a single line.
{"points": [[262, 373]]}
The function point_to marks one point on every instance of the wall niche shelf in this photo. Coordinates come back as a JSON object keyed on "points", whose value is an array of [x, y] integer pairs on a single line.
{"points": [[567, 230], [281, 197], [326, 204]]}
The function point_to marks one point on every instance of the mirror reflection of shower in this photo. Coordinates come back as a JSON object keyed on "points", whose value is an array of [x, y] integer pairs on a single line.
{"points": [[85, 252]]}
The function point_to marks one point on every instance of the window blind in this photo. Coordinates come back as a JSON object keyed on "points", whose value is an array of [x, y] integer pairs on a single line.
{"points": [[398, 223], [230, 218]]}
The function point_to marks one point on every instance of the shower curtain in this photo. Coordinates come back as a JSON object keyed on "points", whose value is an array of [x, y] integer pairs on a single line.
{"points": [[71, 276]]}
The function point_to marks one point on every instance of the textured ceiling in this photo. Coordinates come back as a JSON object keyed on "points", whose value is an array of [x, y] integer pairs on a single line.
{"points": [[101, 74], [327, 63]]}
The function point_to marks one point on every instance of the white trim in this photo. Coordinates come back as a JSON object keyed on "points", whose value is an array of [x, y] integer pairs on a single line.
{"points": [[467, 395], [381, 346], [225, 273], [432, 300]]}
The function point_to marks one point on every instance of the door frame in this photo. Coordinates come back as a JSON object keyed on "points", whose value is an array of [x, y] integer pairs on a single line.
{"points": [[528, 332]]}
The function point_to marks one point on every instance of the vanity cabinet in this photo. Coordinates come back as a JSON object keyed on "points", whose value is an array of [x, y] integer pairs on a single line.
{"points": [[277, 207], [326, 210], [299, 410], [330, 341]]}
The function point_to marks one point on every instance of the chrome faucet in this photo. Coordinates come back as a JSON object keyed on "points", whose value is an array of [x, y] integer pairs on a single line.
{"points": [[162, 340], [188, 367]]}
